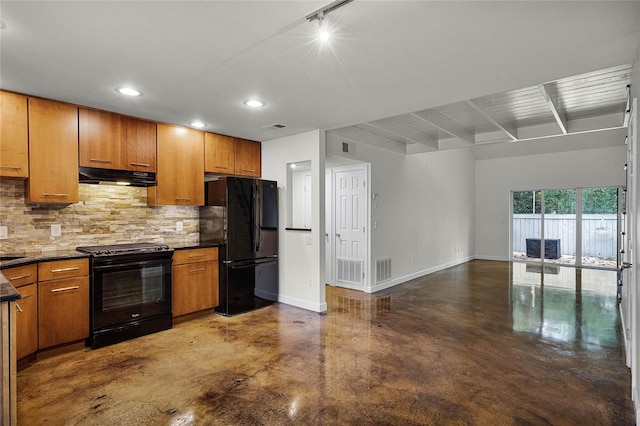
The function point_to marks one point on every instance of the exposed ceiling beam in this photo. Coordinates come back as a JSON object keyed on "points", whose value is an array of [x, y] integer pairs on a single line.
{"points": [[393, 127], [359, 135], [507, 127], [560, 118], [443, 123]]}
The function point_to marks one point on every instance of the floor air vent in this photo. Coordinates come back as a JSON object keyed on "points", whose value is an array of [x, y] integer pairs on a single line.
{"points": [[349, 270], [383, 270]]}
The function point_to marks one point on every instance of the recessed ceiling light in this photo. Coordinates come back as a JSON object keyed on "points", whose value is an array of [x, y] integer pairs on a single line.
{"points": [[128, 91], [254, 103], [198, 124]]}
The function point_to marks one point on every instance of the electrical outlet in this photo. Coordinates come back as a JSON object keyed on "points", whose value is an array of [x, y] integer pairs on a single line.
{"points": [[4, 233], [179, 226], [56, 230]]}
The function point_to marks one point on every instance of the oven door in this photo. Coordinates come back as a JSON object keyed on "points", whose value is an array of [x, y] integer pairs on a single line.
{"points": [[123, 292]]}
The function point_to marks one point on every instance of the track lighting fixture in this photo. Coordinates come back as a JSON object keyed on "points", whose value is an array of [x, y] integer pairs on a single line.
{"points": [[323, 32]]}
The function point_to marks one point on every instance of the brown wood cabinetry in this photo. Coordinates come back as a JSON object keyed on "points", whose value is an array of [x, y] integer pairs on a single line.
{"points": [[53, 152], [63, 302], [248, 158], [14, 142], [180, 176], [24, 279], [111, 141], [219, 154], [194, 280]]}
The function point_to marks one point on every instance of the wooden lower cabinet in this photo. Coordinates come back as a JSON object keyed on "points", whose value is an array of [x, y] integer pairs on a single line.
{"points": [[194, 280], [63, 303], [27, 321], [24, 279]]}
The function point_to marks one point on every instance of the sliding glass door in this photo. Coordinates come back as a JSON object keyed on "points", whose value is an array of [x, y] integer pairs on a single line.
{"points": [[567, 226]]}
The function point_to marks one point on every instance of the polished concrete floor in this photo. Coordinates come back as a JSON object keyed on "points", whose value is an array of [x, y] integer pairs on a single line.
{"points": [[481, 343]]}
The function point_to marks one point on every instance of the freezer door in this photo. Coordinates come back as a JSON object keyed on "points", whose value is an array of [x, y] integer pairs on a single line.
{"points": [[266, 226], [248, 286]]}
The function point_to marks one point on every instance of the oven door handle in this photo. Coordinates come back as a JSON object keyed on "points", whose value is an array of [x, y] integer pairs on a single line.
{"points": [[129, 265]]}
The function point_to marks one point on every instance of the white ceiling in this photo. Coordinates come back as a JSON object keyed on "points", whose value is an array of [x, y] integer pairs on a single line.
{"points": [[202, 59]]}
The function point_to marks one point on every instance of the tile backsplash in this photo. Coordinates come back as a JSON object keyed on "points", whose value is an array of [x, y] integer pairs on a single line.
{"points": [[106, 214]]}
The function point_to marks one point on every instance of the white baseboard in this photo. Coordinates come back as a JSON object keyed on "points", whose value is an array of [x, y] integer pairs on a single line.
{"points": [[422, 273], [498, 258], [304, 304]]}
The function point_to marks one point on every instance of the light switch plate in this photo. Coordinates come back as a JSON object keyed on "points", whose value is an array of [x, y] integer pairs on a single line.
{"points": [[56, 230], [4, 233], [179, 226]]}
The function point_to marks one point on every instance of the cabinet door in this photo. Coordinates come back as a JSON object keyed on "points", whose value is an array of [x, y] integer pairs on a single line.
{"points": [[99, 139], [194, 287], [248, 158], [180, 178], [219, 153], [53, 152], [63, 311], [14, 143], [27, 321], [138, 144]]}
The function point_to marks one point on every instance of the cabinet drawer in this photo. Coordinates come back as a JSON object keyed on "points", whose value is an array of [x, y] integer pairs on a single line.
{"points": [[181, 257], [62, 269], [21, 275]]}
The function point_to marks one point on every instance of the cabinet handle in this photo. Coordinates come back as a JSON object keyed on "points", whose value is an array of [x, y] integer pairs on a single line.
{"points": [[19, 308], [183, 199], [19, 277], [56, 290], [248, 170], [65, 269], [10, 167], [221, 167], [141, 164], [48, 194], [98, 160], [197, 270], [195, 255]]}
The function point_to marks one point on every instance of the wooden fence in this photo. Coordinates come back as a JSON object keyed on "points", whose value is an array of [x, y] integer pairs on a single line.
{"points": [[599, 233]]}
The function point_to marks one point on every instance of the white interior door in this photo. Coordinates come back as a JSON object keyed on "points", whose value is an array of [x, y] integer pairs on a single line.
{"points": [[350, 227]]}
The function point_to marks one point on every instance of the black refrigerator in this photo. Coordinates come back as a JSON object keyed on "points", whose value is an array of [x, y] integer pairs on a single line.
{"points": [[241, 215]]}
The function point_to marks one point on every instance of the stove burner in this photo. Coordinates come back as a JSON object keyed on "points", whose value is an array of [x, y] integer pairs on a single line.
{"points": [[120, 249]]}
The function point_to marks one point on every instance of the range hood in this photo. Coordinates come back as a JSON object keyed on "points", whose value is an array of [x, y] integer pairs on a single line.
{"points": [[121, 177]]}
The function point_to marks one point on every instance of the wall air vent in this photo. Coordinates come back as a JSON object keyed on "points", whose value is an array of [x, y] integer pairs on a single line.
{"points": [[383, 270]]}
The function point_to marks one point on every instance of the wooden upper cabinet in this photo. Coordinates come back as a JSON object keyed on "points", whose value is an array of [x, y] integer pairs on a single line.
{"points": [[53, 152], [219, 153], [138, 144], [99, 139], [112, 141], [180, 177], [248, 158], [14, 143]]}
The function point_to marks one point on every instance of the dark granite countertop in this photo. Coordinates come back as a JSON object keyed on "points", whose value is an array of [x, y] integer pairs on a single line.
{"points": [[8, 292], [195, 246], [28, 258]]}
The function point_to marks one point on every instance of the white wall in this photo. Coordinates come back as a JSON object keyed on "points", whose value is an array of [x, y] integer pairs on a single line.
{"points": [[301, 266], [495, 178], [423, 218]]}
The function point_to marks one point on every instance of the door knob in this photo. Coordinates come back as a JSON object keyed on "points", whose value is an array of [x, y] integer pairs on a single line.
{"points": [[338, 235]]}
